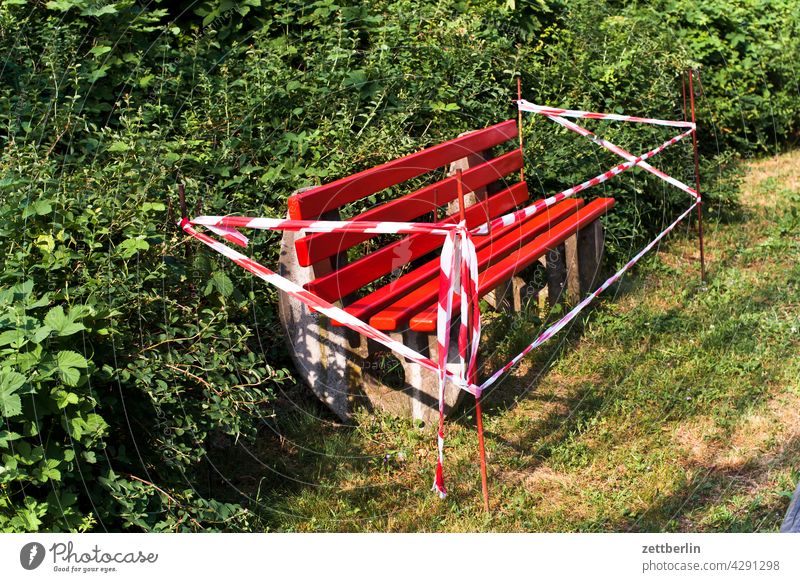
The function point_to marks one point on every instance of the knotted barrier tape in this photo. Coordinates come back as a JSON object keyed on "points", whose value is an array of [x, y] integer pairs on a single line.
{"points": [[524, 105], [312, 300]]}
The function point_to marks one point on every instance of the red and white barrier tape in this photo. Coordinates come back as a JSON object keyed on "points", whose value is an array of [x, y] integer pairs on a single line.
{"points": [[556, 327], [449, 262], [624, 153], [226, 226], [458, 270], [363, 226], [317, 303], [538, 206], [554, 111], [454, 271]]}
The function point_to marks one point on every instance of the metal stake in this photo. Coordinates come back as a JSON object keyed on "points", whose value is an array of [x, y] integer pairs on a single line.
{"points": [[478, 413], [697, 180], [519, 127], [182, 199]]}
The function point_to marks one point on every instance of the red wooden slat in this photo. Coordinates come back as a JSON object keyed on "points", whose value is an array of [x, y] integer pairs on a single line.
{"points": [[367, 269], [503, 270], [501, 243], [311, 204], [316, 247]]}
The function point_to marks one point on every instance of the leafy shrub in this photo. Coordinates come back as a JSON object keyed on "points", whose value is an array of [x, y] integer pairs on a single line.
{"points": [[748, 56], [120, 353]]}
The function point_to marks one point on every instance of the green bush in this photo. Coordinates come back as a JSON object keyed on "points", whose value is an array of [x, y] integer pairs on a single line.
{"points": [[125, 349], [747, 51], [121, 351]]}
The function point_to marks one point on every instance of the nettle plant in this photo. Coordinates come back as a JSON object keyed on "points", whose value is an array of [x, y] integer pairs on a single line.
{"points": [[45, 405]]}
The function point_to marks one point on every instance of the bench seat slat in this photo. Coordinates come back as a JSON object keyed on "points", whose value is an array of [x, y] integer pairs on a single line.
{"points": [[489, 279], [313, 203], [491, 249], [316, 247], [367, 269]]}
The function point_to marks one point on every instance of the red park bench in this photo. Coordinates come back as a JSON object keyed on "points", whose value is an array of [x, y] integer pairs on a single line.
{"points": [[391, 281]]}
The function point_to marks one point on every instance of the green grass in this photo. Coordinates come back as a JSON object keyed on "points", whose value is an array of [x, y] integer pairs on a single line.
{"points": [[671, 406]]}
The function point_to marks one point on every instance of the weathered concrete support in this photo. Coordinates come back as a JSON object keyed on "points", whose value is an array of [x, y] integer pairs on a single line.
{"points": [[584, 254], [326, 357], [464, 164], [572, 291], [591, 244]]}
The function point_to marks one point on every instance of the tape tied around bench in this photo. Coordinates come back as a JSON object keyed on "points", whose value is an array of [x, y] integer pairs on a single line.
{"points": [[458, 267]]}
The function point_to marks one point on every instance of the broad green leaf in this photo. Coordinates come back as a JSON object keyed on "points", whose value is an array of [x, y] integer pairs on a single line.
{"points": [[75, 428], [100, 50], [223, 283], [63, 324], [8, 436], [62, 5], [41, 333], [10, 382], [31, 519], [48, 470], [41, 302], [18, 292], [14, 338], [119, 146], [50, 474], [131, 246], [98, 73], [95, 425], [9, 462], [100, 11], [64, 398], [28, 359], [68, 364], [38, 207], [156, 206]]}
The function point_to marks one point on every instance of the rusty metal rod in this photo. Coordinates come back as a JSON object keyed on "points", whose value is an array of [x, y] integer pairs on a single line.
{"points": [[482, 447], [697, 180], [478, 413], [182, 199], [519, 128]]}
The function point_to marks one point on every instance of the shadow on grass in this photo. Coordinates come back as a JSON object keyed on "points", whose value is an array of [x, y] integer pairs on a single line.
{"points": [[298, 444], [720, 492]]}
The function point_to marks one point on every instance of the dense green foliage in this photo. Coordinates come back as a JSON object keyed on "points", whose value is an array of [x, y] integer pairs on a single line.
{"points": [[123, 349]]}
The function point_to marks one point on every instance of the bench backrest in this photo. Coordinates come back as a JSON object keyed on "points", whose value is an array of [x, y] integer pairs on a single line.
{"points": [[326, 201]]}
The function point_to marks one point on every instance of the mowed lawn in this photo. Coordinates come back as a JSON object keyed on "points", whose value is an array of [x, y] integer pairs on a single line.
{"points": [[670, 407]]}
